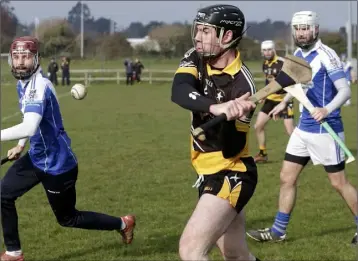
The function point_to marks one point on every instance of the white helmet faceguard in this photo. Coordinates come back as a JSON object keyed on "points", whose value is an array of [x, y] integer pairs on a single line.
{"points": [[302, 22], [268, 45]]}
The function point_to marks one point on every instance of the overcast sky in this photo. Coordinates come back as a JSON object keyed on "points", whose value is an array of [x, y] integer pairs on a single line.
{"points": [[333, 14]]}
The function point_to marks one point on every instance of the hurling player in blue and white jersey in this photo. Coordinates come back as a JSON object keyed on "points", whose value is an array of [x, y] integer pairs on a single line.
{"points": [[327, 91], [50, 159]]}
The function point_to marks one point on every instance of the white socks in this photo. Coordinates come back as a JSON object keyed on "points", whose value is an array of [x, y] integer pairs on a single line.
{"points": [[14, 253]]}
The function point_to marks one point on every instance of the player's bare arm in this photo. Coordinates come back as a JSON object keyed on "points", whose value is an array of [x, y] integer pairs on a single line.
{"points": [[280, 107]]}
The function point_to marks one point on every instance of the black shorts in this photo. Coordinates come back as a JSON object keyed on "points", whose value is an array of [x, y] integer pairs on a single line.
{"points": [[304, 160], [285, 114], [236, 187]]}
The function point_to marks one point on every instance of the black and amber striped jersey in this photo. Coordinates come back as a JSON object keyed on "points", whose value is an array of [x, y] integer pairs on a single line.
{"points": [[271, 69], [226, 145]]}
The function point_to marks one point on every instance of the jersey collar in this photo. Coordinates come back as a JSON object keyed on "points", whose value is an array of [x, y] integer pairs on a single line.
{"points": [[270, 62], [24, 82], [233, 68], [314, 48]]}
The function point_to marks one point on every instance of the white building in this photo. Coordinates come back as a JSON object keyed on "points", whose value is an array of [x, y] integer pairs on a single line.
{"points": [[146, 43]]}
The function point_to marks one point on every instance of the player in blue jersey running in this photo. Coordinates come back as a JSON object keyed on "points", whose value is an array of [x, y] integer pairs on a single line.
{"points": [[327, 91], [50, 159]]}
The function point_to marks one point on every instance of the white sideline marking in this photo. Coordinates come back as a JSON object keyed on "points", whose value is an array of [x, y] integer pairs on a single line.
{"points": [[18, 113]]}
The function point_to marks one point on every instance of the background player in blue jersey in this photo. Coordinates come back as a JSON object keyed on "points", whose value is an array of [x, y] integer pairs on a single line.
{"points": [[50, 159], [327, 91]]}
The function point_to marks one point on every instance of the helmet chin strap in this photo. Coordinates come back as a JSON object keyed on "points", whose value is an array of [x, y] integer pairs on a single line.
{"points": [[307, 46]]}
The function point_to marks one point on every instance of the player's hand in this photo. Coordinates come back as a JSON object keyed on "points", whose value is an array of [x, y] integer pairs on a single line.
{"points": [[277, 109], [235, 108], [15, 152], [319, 114]]}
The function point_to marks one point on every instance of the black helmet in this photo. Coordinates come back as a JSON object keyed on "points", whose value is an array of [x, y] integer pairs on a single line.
{"points": [[223, 18]]}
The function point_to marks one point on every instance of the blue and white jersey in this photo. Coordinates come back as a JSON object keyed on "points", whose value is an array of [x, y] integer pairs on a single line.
{"points": [[326, 69], [50, 147]]}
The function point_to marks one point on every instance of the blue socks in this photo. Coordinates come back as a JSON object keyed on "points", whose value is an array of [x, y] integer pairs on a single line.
{"points": [[281, 223]]}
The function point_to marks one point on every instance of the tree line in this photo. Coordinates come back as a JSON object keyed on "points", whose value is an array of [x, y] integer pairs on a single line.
{"points": [[103, 40]]}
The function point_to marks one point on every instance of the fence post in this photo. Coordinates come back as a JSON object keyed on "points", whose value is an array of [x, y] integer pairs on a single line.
{"points": [[150, 77], [86, 78], [117, 77]]}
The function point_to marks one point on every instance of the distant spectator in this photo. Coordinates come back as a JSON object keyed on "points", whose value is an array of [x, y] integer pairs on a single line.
{"points": [[52, 71], [128, 64], [138, 66], [65, 66]]}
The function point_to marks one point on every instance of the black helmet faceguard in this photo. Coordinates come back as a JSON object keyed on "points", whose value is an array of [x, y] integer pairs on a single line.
{"points": [[222, 18]]}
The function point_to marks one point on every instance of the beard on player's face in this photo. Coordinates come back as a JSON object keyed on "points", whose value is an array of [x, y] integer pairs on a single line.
{"points": [[23, 62]]}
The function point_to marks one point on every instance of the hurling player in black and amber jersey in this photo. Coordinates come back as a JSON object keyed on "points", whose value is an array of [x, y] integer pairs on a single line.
{"points": [[211, 80], [271, 66]]}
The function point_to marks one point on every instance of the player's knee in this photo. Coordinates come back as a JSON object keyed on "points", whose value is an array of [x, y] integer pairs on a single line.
{"points": [[258, 126], [7, 203], [67, 221], [7, 195], [287, 179], [338, 181]]}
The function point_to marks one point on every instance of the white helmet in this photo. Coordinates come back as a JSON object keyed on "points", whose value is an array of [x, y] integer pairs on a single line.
{"points": [[267, 45], [305, 20]]}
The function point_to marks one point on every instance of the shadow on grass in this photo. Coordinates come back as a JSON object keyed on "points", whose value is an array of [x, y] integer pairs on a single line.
{"points": [[259, 222]]}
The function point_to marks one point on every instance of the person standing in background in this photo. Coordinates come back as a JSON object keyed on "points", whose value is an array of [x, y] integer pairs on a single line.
{"points": [[65, 66], [138, 66], [129, 71], [52, 71]]}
